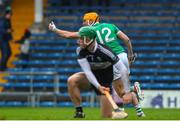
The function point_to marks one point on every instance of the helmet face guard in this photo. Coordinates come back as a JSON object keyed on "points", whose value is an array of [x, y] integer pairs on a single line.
{"points": [[87, 42], [90, 24], [87, 35]]}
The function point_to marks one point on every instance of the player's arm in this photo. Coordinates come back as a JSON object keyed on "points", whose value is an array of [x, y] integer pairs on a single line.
{"points": [[90, 76], [121, 35], [63, 33]]}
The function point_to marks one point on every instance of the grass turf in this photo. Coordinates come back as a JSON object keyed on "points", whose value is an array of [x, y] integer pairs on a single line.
{"points": [[91, 114]]}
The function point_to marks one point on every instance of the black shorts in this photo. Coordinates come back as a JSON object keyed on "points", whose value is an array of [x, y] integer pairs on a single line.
{"points": [[104, 77]]}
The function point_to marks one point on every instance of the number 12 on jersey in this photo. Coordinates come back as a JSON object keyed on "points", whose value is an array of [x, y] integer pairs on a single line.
{"points": [[106, 32]]}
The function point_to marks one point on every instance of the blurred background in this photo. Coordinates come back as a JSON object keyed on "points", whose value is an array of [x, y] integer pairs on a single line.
{"points": [[35, 63]]}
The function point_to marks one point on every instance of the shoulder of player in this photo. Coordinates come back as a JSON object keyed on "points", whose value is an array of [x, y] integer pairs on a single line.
{"points": [[101, 46], [105, 24], [81, 52], [105, 50], [109, 25], [78, 50]]}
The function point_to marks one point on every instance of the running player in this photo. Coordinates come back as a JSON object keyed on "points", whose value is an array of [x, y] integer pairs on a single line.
{"points": [[101, 67], [108, 34]]}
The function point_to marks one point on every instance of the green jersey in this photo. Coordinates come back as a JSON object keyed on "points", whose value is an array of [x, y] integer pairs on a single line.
{"points": [[107, 35]]}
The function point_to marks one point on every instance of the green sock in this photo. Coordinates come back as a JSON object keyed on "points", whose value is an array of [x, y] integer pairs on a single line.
{"points": [[138, 109]]}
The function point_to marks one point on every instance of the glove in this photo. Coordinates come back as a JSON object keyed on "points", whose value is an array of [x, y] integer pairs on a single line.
{"points": [[52, 26], [132, 58]]}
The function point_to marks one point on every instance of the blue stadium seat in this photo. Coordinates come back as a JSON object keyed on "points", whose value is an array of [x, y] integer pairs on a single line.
{"points": [[62, 48], [68, 70], [35, 85], [160, 86], [22, 77], [63, 78], [140, 71], [32, 69], [70, 104], [159, 55], [62, 41], [47, 104], [2, 103], [151, 71], [160, 79], [14, 104], [54, 55], [65, 104], [52, 62], [85, 94], [169, 71], [157, 63]]}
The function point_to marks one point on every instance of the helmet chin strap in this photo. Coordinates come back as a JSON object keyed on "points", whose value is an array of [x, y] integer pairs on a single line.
{"points": [[88, 43], [91, 23]]}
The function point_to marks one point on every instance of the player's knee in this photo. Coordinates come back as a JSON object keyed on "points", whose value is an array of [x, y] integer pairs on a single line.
{"points": [[127, 99], [71, 81], [120, 93]]}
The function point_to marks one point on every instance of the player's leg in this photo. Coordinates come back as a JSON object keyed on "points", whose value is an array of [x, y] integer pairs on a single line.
{"points": [[136, 87], [77, 82], [104, 77], [127, 96], [122, 87], [106, 108], [124, 59], [117, 99]]}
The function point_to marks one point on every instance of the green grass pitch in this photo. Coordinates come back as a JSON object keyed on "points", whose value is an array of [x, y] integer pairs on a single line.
{"points": [[91, 114]]}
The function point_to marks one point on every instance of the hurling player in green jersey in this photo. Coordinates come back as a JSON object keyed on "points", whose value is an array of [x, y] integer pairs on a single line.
{"points": [[109, 35]]}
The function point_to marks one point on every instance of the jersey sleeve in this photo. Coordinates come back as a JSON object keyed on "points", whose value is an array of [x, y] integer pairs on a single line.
{"points": [[81, 53], [116, 29], [87, 70]]}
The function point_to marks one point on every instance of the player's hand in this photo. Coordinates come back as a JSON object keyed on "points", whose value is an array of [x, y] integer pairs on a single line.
{"points": [[132, 58], [102, 89], [52, 26]]}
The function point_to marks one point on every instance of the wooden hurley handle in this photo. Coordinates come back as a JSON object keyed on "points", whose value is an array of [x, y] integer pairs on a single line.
{"points": [[114, 105]]}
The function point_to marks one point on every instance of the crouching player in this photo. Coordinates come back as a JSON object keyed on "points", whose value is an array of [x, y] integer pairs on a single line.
{"points": [[101, 69]]}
